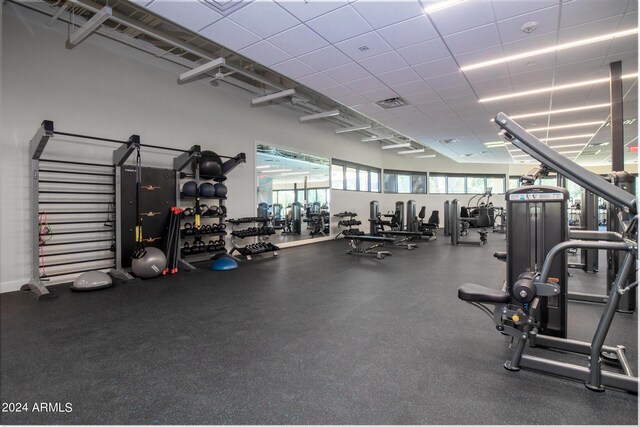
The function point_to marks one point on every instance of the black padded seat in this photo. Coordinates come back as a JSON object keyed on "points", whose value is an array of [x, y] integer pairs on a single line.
{"points": [[502, 256], [476, 293]]}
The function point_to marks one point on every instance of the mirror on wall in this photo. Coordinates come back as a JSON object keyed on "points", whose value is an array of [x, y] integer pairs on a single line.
{"points": [[293, 190]]}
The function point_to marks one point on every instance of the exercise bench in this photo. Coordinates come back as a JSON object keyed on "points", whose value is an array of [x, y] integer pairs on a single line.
{"points": [[402, 238], [357, 247]]}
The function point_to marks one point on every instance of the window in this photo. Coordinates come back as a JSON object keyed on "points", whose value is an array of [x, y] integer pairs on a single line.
{"points": [[354, 177], [405, 182], [363, 180], [419, 184], [337, 177], [514, 182], [351, 179], [390, 182], [455, 185], [437, 184], [375, 181], [440, 183]]}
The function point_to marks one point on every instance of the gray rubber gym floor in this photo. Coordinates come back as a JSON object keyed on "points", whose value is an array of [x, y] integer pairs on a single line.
{"points": [[313, 336]]}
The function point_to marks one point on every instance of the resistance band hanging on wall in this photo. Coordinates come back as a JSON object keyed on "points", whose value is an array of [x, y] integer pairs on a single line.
{"points": [[139, 250]]}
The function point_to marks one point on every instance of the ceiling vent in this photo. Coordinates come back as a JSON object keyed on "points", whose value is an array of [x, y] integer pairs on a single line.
{"points": [[392, 103], [226, 7], [448, 141]]}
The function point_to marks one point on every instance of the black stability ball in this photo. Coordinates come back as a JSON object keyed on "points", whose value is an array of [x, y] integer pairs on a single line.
{"points": [[189, 188], [207, 190], [220, 189], [210, 165]]}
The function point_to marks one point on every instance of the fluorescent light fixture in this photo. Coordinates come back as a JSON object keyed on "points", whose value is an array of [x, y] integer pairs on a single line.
{"points": [[273, 96], [550, 49], [563, 110], [567, 145], [90, 26], [375, 138], [392, 146], [294, 173], [323, 115], [569, 126], [554, 88], [570, 152], [520, 155], [426, 156], [201, 69], [353, 129], [561, 138], [495, 144], [441, 5], [277, 170], [419, 150], [263, 167]]}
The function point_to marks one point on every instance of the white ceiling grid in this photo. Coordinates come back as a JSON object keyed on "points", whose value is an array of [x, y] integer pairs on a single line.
{"points": [[360, 52]]}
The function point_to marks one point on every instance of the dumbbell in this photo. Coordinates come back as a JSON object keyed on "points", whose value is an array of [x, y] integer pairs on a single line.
{"points": [[186, 249], [222, 226]]}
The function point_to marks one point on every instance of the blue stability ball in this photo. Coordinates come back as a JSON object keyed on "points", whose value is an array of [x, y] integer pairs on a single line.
{"points": [[223, 262]]}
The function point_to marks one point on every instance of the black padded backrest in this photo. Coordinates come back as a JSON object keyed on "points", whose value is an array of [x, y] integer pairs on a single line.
{"points": [[483, 217], [422, 213], [464, 212], [434, 218]]}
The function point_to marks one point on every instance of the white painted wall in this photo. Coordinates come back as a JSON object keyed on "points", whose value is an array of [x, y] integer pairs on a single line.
{"points": [[106, 89]]}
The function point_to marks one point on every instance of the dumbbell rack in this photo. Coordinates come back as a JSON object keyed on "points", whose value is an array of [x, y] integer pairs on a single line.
{"points": [[351, 222], [205, 238], [260, 238]]}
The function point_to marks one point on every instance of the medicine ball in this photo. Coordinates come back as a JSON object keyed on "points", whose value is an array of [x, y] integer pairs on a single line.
{"points": [[189, 188], [150, 265], [220, 189], [207, 190], [210, 165]]}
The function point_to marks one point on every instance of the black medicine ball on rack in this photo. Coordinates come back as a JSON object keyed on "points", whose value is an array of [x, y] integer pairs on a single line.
{"points": [[189, 189], [210, 165], [207, 190], [220, 189]]}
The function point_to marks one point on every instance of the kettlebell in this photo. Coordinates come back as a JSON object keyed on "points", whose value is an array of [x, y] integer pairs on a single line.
{"points": [[188, 229], [186, 249]]}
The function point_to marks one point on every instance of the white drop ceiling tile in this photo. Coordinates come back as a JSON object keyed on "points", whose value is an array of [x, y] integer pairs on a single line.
{"points": [[408, 32], [424, 52], [265, 53], [623, 45], [493, 86], [365, 85], [191, 15], [464, 102], [462, 17], [479, 55], [430, 106], [381, 14], [473, 39], [347, 73], [591, 29], [379, 94], [506, 9], [584, 70], [499, 71], [252, 17], [511, 29], [582, 11], [629, 60], [306, 10], [337, 91], [405, 110], [325, 58], [630, 19], [455, 91], [446, 80], [422, 97], [526, 65], [364, 46], [540, 76], [352, 100], [524, 45], [368, 109], [383, 63], [294, 69], [583, 53], [298, 40], [436, 68], [411, 88], [229, 34], [402, 75], [339, 24], [317, 81]]}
